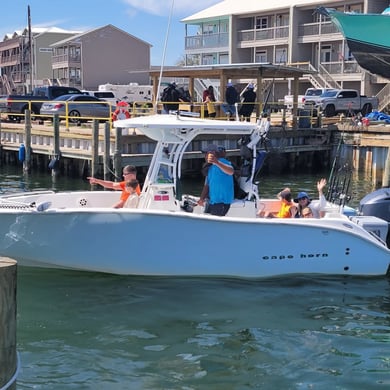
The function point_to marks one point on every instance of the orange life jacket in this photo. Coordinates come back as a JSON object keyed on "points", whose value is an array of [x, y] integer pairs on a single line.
{"points": [[284, 211]]}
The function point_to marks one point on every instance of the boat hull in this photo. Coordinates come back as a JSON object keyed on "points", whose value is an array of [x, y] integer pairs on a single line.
{"points": [[145, 242], [367, 37]]}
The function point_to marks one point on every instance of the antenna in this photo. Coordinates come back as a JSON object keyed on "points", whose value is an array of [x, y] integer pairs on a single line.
{"points": [[163, 57]]}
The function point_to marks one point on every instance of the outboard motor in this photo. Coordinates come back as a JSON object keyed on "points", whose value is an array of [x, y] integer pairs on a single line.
{"points": [[377, 204]]}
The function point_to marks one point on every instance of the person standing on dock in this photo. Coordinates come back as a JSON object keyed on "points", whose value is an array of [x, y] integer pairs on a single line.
{"points": [[129, 174], [248, 102]]}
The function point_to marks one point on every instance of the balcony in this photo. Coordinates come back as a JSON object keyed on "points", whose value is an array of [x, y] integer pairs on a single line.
{"points": [[11, 60], [66, 61], [342, 67], [314, 30], [207, 41], [276, 34]]}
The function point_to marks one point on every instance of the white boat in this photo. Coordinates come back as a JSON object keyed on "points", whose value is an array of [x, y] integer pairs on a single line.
{"points": [[170, 236]]}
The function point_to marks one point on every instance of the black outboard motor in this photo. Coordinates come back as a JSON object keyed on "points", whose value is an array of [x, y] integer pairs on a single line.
{"points": [[377, 204]]}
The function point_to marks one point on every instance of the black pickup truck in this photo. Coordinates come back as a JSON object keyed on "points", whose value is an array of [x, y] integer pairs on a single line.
{"points": [[15, 105]]}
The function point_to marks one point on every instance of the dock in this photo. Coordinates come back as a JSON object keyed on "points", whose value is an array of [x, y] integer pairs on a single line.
{"points": [[87, 149]]}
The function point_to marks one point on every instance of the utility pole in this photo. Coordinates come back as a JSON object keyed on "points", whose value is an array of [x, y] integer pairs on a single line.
{"points": [[31, 49]]}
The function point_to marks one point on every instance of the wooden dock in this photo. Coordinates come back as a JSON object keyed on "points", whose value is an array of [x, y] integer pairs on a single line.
{"points": [[95, 145]]}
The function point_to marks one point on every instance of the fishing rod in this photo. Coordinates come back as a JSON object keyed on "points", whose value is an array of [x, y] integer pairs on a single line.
{"points": [[332, 178]]}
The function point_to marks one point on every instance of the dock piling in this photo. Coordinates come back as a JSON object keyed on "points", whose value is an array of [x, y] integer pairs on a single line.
{"points": [[8, 356]]}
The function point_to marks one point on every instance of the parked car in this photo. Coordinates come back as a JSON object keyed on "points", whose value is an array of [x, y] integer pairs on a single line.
{"points": [[346, 101], [312, 96], [79, 108], [15, 105], [104, 95]]}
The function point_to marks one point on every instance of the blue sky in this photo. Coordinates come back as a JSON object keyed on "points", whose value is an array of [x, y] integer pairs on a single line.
{"points": [[145, 19]]}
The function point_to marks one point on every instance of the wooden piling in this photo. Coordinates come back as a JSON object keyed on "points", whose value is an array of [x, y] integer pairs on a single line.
{"points": [[386, 172], [56, 152], [27, 141], [8, 357], [95, 148], [107, 157], [118, 154]]}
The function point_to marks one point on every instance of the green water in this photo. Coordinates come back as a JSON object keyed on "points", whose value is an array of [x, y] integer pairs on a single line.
{"points": [[80, 330]]}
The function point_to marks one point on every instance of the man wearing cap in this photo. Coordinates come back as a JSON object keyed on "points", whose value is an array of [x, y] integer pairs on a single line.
{"points": [[231, 98], [248, 102], [219, 182], [170, 98], [316, 206]]}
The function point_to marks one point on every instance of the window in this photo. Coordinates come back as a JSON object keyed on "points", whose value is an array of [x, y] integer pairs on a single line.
{"points": [[261, 22], [281, 56], [261, 56], [326, 53]]}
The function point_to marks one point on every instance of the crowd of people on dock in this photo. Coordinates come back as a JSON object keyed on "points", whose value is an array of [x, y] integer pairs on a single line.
{"points": [[234, 105]]}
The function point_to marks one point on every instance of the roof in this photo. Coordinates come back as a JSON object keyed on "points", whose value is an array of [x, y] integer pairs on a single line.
{"points": [[233, 71], [235, 7], [38, 31], [85, 33]]}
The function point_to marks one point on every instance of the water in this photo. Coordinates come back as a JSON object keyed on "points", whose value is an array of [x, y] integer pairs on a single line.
{"points": [[80, 330]]}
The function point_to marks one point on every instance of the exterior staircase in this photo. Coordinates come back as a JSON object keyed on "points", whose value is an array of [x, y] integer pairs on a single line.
{"points": [[7, 84], [384, 98]]}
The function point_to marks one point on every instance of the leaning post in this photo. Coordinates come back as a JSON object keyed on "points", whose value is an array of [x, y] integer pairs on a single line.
{"points": [[8, 356]]}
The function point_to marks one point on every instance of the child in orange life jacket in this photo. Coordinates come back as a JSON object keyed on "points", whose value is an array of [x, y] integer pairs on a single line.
{"points": [[121, 112], [287, 207]]}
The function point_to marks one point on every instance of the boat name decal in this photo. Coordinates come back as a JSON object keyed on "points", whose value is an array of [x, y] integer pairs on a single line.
{"points": [[292, 257]]}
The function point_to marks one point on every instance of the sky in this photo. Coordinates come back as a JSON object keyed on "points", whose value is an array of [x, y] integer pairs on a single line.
{"points": [[145, 19]]}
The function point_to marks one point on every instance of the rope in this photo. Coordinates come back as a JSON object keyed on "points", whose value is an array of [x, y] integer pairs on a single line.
{"points": [[13, 378], [16, 205]]}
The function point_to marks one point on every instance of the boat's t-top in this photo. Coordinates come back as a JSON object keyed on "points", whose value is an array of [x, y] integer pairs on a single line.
{"points": [[174, 133]]}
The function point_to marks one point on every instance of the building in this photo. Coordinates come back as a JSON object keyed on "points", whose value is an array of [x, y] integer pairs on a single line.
{"points": [[15, 58], [78, 59], [103, 55], [281, 32]]}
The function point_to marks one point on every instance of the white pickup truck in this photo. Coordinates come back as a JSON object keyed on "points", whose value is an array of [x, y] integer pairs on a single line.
{"points": [[347, 101]]}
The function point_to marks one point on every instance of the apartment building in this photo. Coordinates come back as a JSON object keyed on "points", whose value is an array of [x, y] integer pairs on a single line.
{"points": [[102, 55], [281, 32], [78, 59], [26, 58]]}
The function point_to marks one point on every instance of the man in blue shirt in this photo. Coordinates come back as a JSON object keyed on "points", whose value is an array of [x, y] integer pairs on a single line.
{"points": [[219, 187]]}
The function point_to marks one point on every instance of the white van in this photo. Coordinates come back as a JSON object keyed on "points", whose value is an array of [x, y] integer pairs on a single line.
{"points": [[104, 95]]}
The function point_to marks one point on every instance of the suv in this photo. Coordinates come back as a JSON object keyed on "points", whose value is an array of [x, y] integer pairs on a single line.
{"points": [[104, 95], [312, 96]]}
